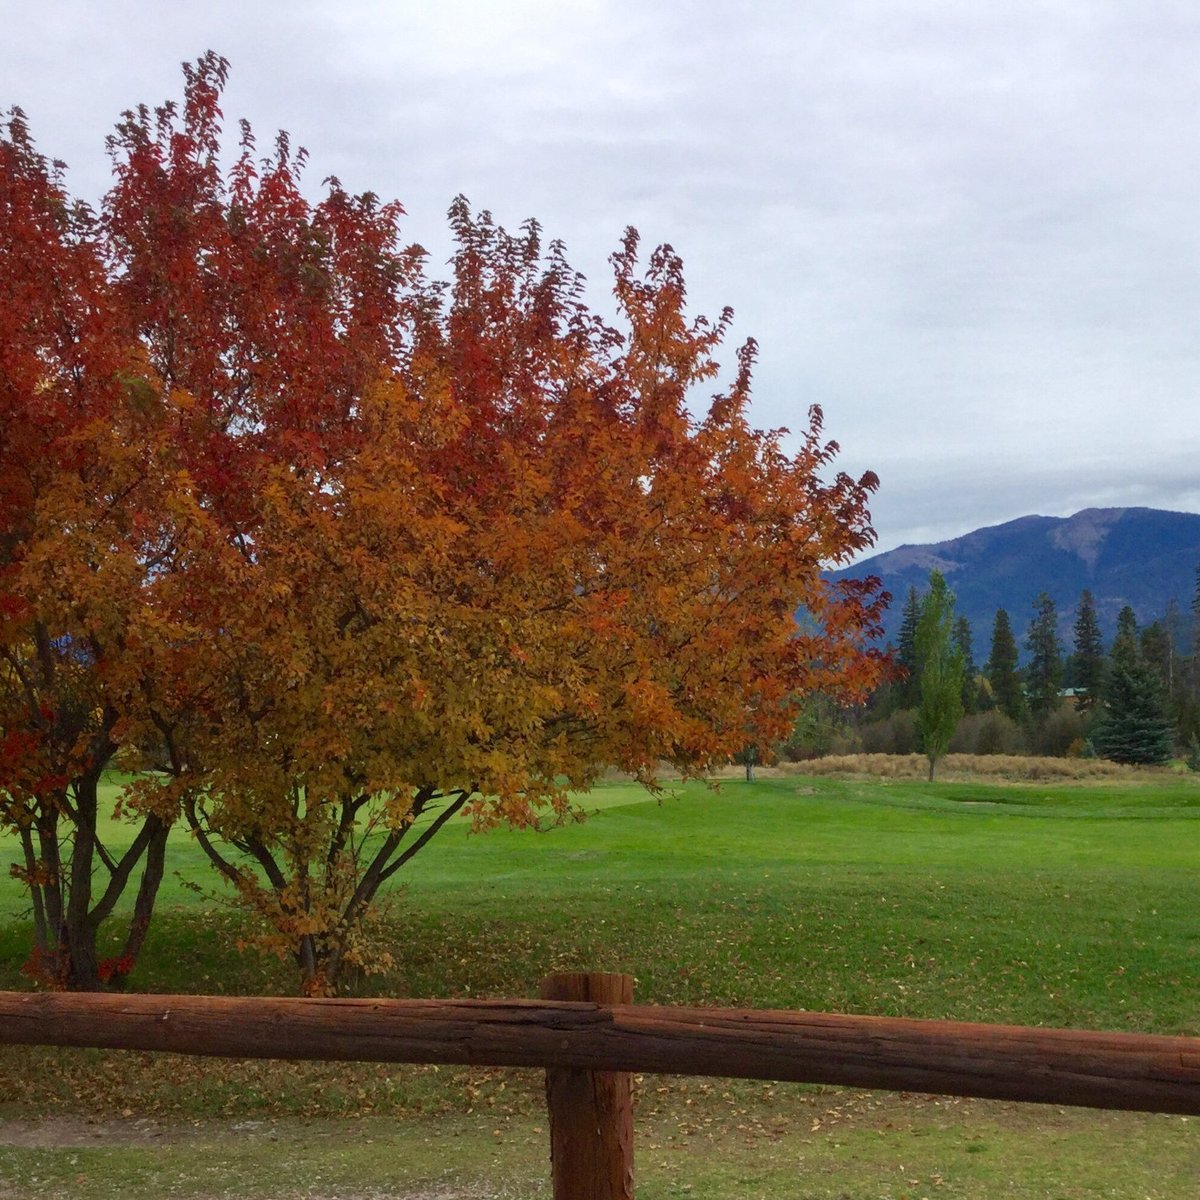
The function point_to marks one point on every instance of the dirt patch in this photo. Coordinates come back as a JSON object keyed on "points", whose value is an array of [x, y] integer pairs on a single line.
{"points": [[61, 1133]]}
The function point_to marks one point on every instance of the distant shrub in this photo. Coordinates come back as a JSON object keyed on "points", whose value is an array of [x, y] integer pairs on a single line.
{"points": [[846, 741], [965, 766], [819, 730], [897, 734], [1193, 754], [991, 732], [1059, 730]]}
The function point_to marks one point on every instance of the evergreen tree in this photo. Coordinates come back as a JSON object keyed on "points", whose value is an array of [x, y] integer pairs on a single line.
{"points": [[962, 643], [1193, 754], [908, 687], [1188, 708], [1125, 644], [1194, 665], [1133, 726], [1043, 676], [940, 664], [1002, 670], [1087, 664], [1156, 652]]}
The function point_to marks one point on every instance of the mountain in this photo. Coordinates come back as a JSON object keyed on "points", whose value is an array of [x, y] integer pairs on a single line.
{"points": [[1142, 557]]}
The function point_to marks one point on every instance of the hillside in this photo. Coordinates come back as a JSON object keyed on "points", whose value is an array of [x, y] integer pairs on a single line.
{"points": [[1137, 556]]}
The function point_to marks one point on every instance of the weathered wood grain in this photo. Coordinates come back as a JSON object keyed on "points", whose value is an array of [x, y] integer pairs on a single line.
{"points": [[591, 1112], [1057, 1066]]}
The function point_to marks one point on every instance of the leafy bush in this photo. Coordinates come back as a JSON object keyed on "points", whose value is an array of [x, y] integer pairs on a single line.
{"points": [[1059, 730], [1193, 754], [897, 734], [991, 732], [820, 729]]}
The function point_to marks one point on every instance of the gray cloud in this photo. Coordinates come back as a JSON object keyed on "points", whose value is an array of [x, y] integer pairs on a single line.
{"points": [[969, 232]]}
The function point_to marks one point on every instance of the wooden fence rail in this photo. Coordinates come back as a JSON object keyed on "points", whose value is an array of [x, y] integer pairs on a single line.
{"points": [[589, 1038]]}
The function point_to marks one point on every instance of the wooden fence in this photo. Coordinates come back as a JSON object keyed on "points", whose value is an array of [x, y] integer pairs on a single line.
{"points": [[589, 1037]]}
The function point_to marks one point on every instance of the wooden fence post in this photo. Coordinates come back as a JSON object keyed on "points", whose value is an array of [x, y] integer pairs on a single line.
{"points": [[591, 1112]]}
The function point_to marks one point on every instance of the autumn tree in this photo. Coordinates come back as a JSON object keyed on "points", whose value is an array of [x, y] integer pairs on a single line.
{"points": [[435, 548], [85, 485], [941, 663]]}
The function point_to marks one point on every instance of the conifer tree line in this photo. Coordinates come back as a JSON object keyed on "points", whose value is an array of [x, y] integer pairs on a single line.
{"points": [[1134, 700]]}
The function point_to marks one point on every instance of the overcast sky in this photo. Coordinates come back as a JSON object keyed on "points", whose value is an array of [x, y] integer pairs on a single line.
{"points": [[969, 230]]}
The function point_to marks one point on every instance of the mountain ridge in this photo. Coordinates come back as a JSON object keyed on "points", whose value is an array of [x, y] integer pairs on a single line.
{"points": [[1143, 557]]}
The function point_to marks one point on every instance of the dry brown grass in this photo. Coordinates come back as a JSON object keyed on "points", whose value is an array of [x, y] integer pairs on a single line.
{"points": [[968, 766]]}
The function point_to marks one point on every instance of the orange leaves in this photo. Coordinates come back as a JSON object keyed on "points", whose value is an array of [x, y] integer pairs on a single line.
{"points": [[341, 548]]}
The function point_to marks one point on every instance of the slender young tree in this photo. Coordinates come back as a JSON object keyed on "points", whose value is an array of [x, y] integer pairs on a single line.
{"points": [[1172, 623], [941, 671], [1002, 670], [1087, 666], [1043, 675]]}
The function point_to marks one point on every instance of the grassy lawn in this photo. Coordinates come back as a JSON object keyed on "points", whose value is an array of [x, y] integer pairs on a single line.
{"points": [[1038, 903]]}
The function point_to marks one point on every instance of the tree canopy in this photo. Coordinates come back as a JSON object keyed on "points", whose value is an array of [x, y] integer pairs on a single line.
{"points": [[1132, 726], [1002, 670], [1044, 673], [1087, 663], [941, 664], [343, 551]]}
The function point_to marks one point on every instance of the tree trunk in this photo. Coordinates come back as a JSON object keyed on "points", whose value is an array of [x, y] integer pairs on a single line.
{"points": [[70, 960]]}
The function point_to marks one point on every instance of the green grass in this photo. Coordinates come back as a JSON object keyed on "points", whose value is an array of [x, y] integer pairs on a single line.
{"points": [[1057, 904], [862, 1148]]}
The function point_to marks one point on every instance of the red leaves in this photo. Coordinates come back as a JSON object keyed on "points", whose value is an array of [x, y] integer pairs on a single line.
{"points": [[115, 968], [323, 537]]}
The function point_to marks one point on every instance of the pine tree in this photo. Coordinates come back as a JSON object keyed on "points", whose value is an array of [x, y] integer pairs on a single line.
{"points": [[1189, 705], [1002, 670], [970, 686], [1087, 665], [1125, 644], [940, 663], [1194, 672], [1181, 699], [1156, 652], [1133, 726], [908, 687], [1043, 676]]}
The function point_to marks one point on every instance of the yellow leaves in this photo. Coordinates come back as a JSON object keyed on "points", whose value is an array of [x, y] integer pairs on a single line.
{"points": [[356, 552]]}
